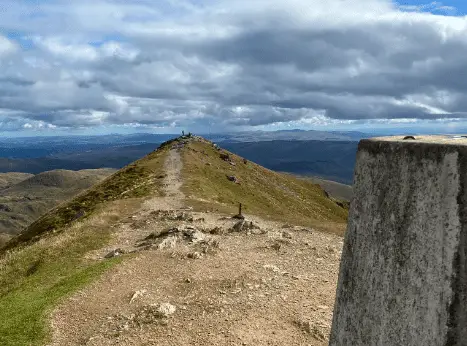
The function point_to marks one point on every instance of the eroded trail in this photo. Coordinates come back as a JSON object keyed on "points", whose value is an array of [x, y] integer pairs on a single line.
{"points": [[200, 279], [171, 185]]}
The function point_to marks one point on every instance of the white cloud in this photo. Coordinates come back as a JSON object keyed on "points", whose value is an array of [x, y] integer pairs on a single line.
{"points": [[229, 63], [7, 47]]}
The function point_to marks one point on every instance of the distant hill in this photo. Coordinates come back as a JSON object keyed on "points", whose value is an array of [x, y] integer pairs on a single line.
{"points": [[331, 160], [288, 135], [103, 157], [12, 178], [337, 190], [25, 197]]}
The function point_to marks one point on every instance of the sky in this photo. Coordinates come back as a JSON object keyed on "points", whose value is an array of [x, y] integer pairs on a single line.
{"points": [[119, 66]]}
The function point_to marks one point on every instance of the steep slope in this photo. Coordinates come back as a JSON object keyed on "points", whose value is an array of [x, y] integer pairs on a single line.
{"points": [[225, 281], [29, 198], [262, 192]]}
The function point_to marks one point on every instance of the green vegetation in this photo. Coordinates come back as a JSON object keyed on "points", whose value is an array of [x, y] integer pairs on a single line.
{"points": [[262, 192], [34, 278], [47, 262], [138, 179], [48, 266]]}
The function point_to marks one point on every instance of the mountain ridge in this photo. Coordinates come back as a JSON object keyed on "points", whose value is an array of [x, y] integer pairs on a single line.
{"points": [[145, 228]]}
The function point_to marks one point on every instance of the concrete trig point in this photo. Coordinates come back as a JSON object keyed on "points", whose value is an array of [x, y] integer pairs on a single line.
{"points": [[403, 275]]}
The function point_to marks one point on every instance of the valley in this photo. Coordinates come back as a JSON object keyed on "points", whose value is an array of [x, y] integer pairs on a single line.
{"points": [[25, 197]]}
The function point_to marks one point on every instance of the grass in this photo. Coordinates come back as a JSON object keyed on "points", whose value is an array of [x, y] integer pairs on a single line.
{"points": [[47, 263], [138, 179], [35, 278], [3, 240], [262, 192], [12, 178], [24, 202]]}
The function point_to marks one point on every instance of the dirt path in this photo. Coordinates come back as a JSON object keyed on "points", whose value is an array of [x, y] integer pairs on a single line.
{"points": [[195, 281], [172, 183]]}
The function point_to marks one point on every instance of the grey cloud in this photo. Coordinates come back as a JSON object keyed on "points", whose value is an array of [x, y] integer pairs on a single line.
{"points": [[232, 64]]}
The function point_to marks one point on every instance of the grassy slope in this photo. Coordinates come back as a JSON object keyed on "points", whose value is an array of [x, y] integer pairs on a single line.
{"points": [[41, 266], [47, 262], [262, 192], [12, 178], [24, 202], [138, 179]]}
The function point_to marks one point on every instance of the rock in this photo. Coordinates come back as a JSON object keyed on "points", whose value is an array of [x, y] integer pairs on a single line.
{"points": [[238, 227], [216, 230], [4, 207], [136, 295], [276, 246], [271, 267], [225, 157], [312, 329], [195, 255], [168, 243], [167, 309], [233, 178], [79, 215], [114, 253], [286, 235], [244, 225], [193, 235]]}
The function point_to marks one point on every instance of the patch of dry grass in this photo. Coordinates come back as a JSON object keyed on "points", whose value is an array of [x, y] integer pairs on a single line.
{"points": [[138, 179], [24, 202], [262, 192]]}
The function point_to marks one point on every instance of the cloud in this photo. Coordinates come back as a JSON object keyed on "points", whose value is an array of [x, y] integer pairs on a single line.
{"points": [[7, 47], [228, 64]]}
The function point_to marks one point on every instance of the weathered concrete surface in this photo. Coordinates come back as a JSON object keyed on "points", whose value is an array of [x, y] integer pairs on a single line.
{"points": [[403, 275]]}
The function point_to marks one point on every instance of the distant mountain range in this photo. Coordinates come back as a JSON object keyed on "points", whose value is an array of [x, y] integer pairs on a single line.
{"points": [[330, 155], [332, 160], [288, 135]]}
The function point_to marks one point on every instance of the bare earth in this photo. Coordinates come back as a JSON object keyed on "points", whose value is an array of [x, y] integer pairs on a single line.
{"points": [[203, 283]]}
